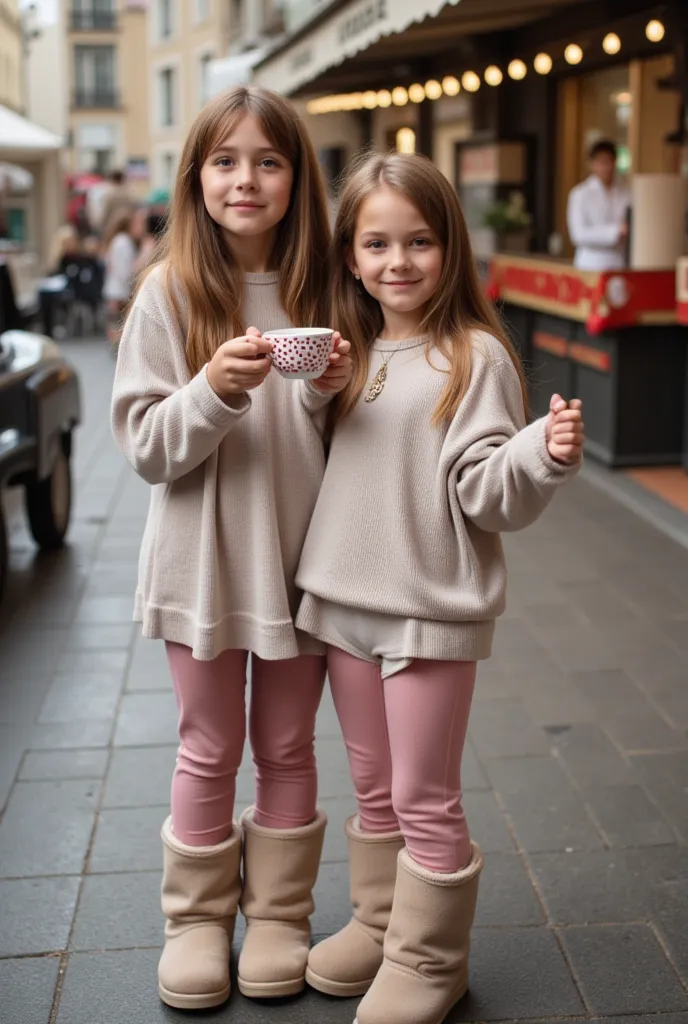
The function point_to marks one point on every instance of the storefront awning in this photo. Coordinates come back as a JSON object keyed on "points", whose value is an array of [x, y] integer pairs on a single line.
{"points": [[23, 138], [352, 28]]}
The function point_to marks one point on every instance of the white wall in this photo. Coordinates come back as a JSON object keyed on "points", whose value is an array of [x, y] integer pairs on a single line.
{"points": [[47, 81]]}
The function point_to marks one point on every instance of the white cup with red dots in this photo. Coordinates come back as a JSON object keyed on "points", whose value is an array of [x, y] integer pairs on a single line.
{"points": [[301, 353]]}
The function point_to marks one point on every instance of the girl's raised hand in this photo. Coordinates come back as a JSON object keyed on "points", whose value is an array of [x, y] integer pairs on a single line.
{"points": [[565, 430], [239, 365], [338, 374]]}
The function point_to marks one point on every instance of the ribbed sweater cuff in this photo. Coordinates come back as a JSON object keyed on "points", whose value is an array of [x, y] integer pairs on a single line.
{"points": [[211, 406], [313, 398]]}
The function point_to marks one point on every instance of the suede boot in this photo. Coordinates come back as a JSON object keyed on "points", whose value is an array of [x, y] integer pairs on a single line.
{"points": [[345, 964], [200, 894], [425, 967], [280, 870]]}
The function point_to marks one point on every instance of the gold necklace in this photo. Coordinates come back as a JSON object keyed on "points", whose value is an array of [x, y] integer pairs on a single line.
{"points": [[378, 382]]}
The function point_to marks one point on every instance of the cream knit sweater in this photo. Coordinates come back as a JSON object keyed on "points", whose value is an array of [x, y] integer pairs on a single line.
{"points": [[234, 486], [409, 515]]}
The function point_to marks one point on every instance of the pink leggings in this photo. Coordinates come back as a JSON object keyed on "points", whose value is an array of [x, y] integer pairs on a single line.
{"points": [[212, 730], [405, 736]]}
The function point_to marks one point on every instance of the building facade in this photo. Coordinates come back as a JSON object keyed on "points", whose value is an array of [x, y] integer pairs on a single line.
{"points": [[107, 87], [12, 85]]}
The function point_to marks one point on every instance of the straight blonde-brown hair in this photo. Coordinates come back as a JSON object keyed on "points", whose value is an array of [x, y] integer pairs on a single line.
{"points": [[198, 265], [457, 310]]}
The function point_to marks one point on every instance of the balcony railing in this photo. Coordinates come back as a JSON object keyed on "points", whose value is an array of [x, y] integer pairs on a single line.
{"points": [[93, 21], [96, 99]]}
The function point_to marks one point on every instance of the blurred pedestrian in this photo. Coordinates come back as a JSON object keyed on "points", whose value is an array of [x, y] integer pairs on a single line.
{"points": [[597, 213], [117, 203], [120, 256], [150, 242], [403, 571], [235, 455]]}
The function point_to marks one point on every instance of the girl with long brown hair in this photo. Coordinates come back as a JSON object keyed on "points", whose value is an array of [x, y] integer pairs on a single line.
{"points": [[430, 459], [235, 456]]}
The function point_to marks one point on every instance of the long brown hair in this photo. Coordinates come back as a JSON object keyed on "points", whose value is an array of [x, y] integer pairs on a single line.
{"points": [[459, 307], [199, 265]]}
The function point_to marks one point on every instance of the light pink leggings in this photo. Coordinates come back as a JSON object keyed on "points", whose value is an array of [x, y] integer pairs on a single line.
{"points": [[211, 696], [405, 736]]}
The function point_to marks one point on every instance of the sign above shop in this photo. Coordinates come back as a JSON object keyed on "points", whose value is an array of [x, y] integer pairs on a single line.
{"points": [[346, 32]]}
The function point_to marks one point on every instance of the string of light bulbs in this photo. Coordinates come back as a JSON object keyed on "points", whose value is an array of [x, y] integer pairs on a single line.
{"points": [[470, 81]]}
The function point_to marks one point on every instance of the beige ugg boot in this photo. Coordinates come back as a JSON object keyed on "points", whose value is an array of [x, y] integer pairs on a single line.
{"points": [[280, 869], [201, 886], [346, 963], [425, 967]]}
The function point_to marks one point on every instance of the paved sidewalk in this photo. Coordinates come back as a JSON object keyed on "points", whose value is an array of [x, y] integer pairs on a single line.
{"points": [[576, 774]]}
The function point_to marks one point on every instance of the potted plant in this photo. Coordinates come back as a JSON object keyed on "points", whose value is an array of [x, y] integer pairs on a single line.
{"points": [[510, 223]]}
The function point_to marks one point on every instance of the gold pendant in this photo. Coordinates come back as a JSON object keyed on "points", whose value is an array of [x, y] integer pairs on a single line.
{"points": [[377, 384]]}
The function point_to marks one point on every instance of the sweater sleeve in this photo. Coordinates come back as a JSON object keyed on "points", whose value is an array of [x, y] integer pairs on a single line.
{"points": [[506, 476], [164, 426]]}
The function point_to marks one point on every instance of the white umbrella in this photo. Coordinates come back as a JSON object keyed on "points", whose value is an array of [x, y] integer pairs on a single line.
{"points": [[15, 179]]}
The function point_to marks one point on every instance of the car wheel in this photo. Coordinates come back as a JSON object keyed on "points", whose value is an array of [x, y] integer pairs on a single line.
{"points": [[49, 504], [4, 554]]}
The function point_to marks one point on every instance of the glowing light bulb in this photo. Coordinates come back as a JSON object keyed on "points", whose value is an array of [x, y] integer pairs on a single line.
{"points": [[493, 75], [384, 98], [543, 63], [655, 31], [611, 43], [573, 54], [406, 140], [517, 70], [370, 99], [399, 96], [451, 86], [416, 93], [433, 89], [470, 81]]}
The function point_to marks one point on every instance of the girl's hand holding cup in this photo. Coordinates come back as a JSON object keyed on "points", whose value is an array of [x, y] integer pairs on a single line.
{"points": [[338, 374], [565, 430], [240, 364]]}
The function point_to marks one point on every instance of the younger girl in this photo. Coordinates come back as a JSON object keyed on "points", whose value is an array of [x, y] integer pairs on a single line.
{"points": [[235, 456], [430, 460]]}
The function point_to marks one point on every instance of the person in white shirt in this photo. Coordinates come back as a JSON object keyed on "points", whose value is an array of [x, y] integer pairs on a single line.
{"points": [[120, 258], [597, 213]]}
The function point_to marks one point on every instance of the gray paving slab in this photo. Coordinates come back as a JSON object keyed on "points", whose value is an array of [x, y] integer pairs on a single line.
{"points": [[140, 777], [623, 969], [147, 719], [119, 911], [36, 914], [28, 988], [43, 765], [46, 828]]}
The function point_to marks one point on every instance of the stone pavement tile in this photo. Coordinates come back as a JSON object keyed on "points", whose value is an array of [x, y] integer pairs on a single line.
{"points": [[623, 969], [44, 765], [13, 742], [673, 704], [123, 985], [594, 886], [665, 777], [513, 637], [72, 735], [140, 777], [327, 725], [149, 669], [581, 649], [106, 609], [487, 823], [111, 661], [332, 903], [114, 579], [507, 896], [590, 757], [625, 712], [546, 812], [627, 816], [47, 827], [147, 719], [502, 728], [79, 697], [652, 1018], [21, 698], [337, 811], [28, 988], [99, 638], [517, 973], [36, 914], [557, 703], [127, 839], [657, 667], [472, 772], [119, 911]]}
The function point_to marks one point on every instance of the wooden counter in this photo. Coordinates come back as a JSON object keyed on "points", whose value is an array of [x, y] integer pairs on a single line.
{"points": [[612, 339]]}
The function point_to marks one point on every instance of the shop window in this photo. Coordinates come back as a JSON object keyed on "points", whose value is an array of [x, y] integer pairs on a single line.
{"points": [[167, 97]]}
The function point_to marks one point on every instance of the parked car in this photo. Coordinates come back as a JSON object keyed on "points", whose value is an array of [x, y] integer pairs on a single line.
{"points": [[40, 407]]}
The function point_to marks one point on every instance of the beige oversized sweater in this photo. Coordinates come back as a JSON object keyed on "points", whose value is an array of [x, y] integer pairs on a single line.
{"points": [[234, 486], [409, 515]]}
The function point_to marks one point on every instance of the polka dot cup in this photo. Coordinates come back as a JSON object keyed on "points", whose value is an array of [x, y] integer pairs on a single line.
{"points": [[301, 352]]}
